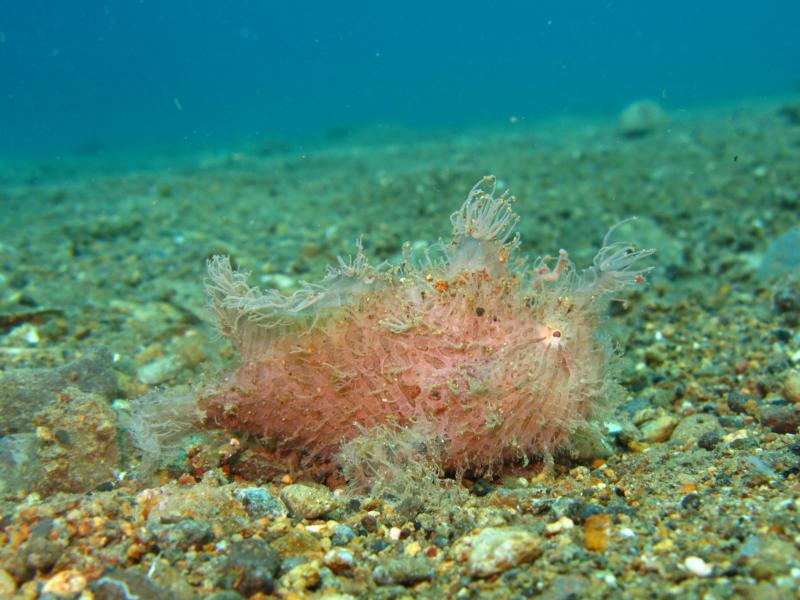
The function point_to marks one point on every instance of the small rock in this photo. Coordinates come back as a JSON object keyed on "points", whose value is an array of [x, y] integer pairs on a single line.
{"points": [[369, 523], [790, 112], [691, 428], [252, 565], [405, 570], [65, 583], [342, 535], [780, 419], [338, 559], [659, 429], [641, 118], [737, 402], [159, 371], [709, 440], [24, 392], [302, 577], [786, 301], [496, 549], [18, 461], [567, 587], [116, 585], [186, 534], [296, 543], [307, 501], [260, 502], [697, 566], [79, 447], [791, 387], [731, 421], [563, 524], [691, 502]]}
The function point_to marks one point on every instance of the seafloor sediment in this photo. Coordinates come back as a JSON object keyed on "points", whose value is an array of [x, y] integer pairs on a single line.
{"points": [[101, 300]]}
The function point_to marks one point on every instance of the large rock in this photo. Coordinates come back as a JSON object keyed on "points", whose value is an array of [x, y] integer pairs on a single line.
{"points": [[641, 118], [25, 392]]}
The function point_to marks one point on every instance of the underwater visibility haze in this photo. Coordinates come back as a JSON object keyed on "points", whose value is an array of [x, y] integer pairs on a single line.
{"points": [[451, 299]]}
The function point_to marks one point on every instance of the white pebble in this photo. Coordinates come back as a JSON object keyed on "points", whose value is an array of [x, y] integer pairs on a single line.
{"points": [[697, 566], [562, 524]]}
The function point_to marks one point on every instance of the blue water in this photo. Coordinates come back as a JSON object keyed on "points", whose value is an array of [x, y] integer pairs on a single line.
{"points": [[125, 75]]}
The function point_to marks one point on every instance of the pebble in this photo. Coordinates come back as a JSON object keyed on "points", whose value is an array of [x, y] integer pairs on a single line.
{"points": [[563, 524], [690, 429], [117, 584], [641, 118], [342, 535], [737, 402], [691, 502], [697, 566], [780, 419], [252, 565], [186, 534], [338, 559], [791, 387], [260, 502], [302, 577], [307, 501], [405, 570], [496, 549], [709, 440], [158, 371], [297, 542], [659, 429], [65, 583]]}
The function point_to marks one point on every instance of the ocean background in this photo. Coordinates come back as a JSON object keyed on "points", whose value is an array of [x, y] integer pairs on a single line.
{"points": [[146, 77]]}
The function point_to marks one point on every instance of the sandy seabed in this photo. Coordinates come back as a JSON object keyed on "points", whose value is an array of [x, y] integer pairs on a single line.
{"points": [[101, 300]]}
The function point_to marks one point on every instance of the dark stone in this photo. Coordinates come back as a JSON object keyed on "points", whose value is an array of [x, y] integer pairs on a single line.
{"points": [[40, 553], [784, 335], [62, 435], [780, 419], [737, 402], [580, 511], [252, 566], [790, 112], [369, 523], [786, 299], [691, 502], [481, 487], [708, 440]]}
